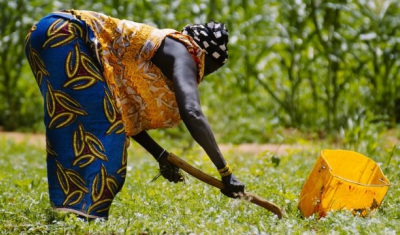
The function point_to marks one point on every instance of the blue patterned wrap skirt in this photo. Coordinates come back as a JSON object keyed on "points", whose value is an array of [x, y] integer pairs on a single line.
{"points": [[85, 137]]}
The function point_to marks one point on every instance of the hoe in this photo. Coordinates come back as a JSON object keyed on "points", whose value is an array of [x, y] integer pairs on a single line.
{"points": [[200, 175]]}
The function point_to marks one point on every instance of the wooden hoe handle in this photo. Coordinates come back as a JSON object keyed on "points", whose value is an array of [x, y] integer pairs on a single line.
{"points": [[218, 184]]}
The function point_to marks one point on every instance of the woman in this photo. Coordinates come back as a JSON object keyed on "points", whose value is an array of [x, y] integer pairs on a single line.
{"points": [[104, 80]]}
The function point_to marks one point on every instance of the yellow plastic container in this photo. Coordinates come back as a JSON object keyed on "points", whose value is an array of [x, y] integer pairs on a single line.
{"points": [[343, 179]]}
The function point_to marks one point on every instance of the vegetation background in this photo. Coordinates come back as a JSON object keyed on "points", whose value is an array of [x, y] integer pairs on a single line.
{"points": [[300, 72], [317, 66]]}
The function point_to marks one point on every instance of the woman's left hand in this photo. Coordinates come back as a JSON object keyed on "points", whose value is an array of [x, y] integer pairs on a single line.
{"points": [[169, 171]]}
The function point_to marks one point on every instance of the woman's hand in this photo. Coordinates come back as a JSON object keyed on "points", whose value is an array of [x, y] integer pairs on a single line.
{"points": [[233, 187], [169, 171]]}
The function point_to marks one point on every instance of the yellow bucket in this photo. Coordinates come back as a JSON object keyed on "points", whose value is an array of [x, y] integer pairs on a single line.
{"points": [[343, 179]]}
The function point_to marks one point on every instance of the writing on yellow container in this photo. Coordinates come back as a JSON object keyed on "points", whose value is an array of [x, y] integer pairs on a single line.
{"points": [[343, 180]]}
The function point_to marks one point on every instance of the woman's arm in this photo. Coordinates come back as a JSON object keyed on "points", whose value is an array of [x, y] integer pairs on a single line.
{"points": [[176, 63], [145, 140], [167, 170]]}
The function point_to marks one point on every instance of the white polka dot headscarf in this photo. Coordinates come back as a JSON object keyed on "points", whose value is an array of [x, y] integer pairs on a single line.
{"points": [[212, 37]]}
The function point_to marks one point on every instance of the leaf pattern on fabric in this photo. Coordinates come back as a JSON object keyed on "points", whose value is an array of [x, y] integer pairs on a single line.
{"points": [[112, 115], [49, 149], [104, 189], [37, 65], [62, 108], [62, 32], [72, 184], [124, 161], [77, 99], [87, 148], [81, 71]]}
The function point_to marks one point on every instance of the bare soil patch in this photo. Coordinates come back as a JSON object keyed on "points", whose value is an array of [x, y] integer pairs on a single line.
{"points": [[29, 138], [40, 140]]}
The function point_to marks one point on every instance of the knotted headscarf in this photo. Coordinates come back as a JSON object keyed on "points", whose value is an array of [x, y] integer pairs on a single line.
{"points": [[212, 37]]}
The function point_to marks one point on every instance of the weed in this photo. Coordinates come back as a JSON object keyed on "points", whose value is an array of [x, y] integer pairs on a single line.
{"points": [[160, 207]]}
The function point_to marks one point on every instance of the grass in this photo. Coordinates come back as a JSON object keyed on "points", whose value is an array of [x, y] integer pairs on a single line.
{"points": [[160, 207]]}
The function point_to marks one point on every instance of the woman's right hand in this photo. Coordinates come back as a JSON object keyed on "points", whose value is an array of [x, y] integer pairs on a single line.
{"points": [[233, 187]]}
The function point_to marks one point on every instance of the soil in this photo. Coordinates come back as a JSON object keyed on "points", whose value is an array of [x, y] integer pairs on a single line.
{"points": [[33, 139], [40, 140]]}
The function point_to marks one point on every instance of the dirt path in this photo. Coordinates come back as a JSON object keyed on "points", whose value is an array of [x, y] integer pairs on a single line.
{"points": [[33, 139], [39, 140]]}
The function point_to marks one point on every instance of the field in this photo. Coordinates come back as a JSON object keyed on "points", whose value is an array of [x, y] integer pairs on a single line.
{"points": [[160, 207]]}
